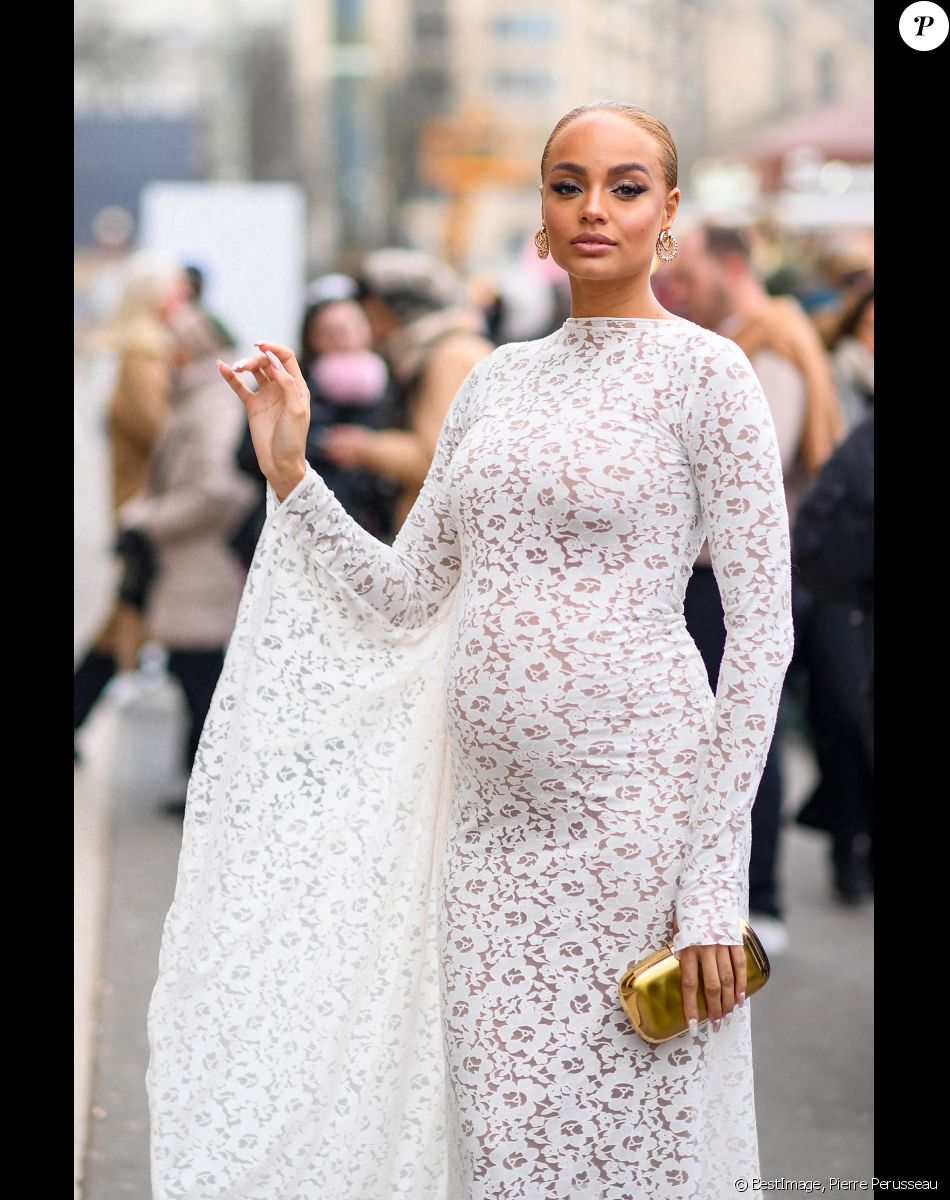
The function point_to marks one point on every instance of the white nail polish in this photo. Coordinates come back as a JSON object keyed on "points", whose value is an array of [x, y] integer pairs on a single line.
{"points": [[274, 359], [693, 1025], [716, 1025], [741, 999]]}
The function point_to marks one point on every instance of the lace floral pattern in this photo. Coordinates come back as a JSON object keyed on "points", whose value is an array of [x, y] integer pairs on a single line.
{"points": [[448, 789]]}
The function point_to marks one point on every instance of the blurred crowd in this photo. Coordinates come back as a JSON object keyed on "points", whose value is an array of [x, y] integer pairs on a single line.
{"points": [[384, 351]]}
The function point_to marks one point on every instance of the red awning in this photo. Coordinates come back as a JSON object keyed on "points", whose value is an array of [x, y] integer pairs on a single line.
{"points": [[843, 130]]}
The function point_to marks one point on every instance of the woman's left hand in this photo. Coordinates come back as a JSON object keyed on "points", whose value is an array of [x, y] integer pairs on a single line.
{"points": [[723, 973]]}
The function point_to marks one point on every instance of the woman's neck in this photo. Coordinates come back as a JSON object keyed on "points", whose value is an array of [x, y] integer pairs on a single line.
{"points": [[593, 298]]}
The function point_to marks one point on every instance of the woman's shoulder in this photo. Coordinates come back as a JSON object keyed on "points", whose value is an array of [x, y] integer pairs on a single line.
{"points": [[712, 365], [706, 344], [482, 371], [493, 375], [514, 354]]}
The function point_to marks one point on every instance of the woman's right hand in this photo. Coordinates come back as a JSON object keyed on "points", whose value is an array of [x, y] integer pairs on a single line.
{"points": [[278, 412]]}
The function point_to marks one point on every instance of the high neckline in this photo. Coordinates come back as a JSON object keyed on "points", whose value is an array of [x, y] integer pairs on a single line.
{"points": [[589, 332], [574, 322]]}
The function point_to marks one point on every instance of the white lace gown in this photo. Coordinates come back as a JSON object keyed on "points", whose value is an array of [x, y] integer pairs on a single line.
{"points": [[449, 789]]}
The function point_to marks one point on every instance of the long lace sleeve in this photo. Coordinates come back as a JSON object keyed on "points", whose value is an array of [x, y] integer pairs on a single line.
{"points": [[299, 972], [405, 583], [733, 451]]}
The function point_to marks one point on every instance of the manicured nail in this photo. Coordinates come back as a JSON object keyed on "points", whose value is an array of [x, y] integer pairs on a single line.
{"points": [[274, 359], [239, 366], [693, 1025], [716, 1025], [741, 999]]}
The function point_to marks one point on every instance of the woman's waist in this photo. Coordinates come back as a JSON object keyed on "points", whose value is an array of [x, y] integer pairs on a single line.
{"points": [[590, 669], [559, 627]]}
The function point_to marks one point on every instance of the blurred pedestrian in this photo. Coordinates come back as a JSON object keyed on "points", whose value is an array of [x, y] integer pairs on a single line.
{"points": [[195, 278], [713, 282], [431, 338], [833, 548], [350, 391], [519, 305], [833, 538], [141, 338], [193, 498], [852, 349]]}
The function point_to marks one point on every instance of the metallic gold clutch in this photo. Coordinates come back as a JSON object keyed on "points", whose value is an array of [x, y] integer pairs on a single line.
{"points": [[651, 991]]}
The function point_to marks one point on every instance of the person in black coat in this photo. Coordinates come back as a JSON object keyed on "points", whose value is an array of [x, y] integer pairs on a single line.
{"points": [[833, 548], [349, 386]]}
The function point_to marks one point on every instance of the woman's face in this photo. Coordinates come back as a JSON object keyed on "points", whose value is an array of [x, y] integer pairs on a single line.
{"points": [[340, 327], [173, 295], [604, 198]]}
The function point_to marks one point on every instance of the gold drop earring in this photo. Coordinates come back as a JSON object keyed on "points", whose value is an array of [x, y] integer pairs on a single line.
{"points": [[541, 242], [666, 246]]}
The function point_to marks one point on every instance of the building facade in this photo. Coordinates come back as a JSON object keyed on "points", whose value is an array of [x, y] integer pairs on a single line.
{"points": [[422, 121]]}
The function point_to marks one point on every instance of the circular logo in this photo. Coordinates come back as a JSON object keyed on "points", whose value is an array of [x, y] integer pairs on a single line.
{"points": [[924, 25]]}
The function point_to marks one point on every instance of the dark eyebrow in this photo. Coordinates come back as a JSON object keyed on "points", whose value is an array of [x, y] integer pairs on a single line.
{"points": [[631, 166], [620, 169]]}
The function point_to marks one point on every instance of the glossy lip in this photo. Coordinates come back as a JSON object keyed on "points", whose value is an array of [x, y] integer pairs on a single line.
{"points": [[592, 243], [598, 239]]}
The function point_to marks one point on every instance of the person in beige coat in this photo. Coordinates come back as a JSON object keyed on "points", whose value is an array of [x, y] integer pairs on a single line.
{"points": [[141, 339], [194, 499]]}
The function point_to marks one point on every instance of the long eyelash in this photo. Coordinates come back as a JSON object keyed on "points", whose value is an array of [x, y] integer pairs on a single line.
{"points": [[567, 188]]}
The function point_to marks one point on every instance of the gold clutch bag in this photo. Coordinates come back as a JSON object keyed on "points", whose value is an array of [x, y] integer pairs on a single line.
{"points": [[651, 991]]}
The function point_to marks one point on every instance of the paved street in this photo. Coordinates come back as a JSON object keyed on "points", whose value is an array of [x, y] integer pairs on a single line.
{"points": [[812, 1025], [812, 1042]]}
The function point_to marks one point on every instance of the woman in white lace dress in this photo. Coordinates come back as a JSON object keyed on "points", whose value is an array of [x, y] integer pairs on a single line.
{"points": [[450, 788]]}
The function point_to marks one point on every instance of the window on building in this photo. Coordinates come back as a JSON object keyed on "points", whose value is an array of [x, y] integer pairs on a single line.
{"points": [[532, 84], [827, 72], [525, 26], [431, 86], [349, 20], [429, 26]]}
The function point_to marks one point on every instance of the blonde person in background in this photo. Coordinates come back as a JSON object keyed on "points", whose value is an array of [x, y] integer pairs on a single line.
{"points": [[190, 503], [141, 338]]}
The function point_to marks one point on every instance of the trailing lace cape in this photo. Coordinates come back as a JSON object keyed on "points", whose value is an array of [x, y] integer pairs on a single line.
{"points": [[301, 943]]}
